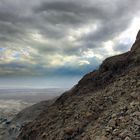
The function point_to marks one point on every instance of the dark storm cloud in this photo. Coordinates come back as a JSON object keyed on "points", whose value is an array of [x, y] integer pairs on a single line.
{"points": [[112, 18], [74, 11], [111, 26], [40, 29]]}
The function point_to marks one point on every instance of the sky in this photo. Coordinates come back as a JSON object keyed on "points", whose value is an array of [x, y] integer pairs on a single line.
{"points": [[62, 39]]}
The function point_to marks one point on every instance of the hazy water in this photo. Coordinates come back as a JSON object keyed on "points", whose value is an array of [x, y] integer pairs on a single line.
{"points": [[38, 82], [30, 95], [14, 100]]}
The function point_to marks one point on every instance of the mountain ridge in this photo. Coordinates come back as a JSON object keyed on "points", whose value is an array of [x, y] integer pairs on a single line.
{"points": [[104, 105]]}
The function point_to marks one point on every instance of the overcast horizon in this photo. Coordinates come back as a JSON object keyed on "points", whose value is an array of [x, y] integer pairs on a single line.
{"points": [[53, 43], [38, 82]]}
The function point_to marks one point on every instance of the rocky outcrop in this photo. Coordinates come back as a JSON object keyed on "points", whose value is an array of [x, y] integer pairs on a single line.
{"points": [[136, 47], [104, 105]]}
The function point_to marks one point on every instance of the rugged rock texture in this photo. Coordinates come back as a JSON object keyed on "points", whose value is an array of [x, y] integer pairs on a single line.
{"points": [[10, 128], [104, 105]]}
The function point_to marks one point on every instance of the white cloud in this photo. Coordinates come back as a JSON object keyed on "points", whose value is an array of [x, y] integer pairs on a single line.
{"points": [[84, 62]]}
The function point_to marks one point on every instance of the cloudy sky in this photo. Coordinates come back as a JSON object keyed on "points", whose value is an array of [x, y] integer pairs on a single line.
{"points": [[67, 38]]}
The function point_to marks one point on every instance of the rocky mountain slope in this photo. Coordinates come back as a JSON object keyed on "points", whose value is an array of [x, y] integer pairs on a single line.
{"points": [[104, 105], [10, 128]]}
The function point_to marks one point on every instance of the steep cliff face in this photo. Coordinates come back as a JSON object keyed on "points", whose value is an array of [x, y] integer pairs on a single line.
{"points": [[104, 105]]}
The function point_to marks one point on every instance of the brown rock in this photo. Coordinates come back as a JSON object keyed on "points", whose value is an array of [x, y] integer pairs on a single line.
{"points": [[88, 115], [44, 135], [125, 133], [101, 138], [127, 138], [116, 132], [104, 138], [137, 122], [135, 95], [69, 130], [108, 129], [137, 113], [112, 123]]}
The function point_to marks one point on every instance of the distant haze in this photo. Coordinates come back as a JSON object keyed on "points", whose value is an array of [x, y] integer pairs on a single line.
{"points": [[38, 82]]}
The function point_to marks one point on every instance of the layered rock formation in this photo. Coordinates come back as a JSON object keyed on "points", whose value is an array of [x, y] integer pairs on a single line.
{"points": [[104, 105]]}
